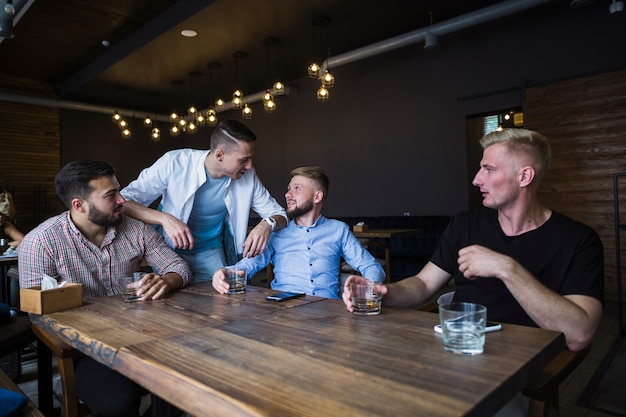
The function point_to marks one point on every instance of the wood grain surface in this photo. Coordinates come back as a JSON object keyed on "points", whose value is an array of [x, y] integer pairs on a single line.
{"points": [[213, 354]]}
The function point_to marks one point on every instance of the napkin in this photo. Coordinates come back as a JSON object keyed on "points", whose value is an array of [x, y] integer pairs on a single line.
{"points": [[49, 283], [11, 403], [10, 252]]}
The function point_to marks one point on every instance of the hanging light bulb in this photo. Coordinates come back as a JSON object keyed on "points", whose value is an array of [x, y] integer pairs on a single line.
{"points": [[182, 123], [9, 8], [126, 133], [328, 80], [200, 119], [191, 128], [174, 131], [211, 117], [192, 111], [147, 122], [314, 70], [174, 115], [279, 88], [237, 99], [322, 94], [246, 112], [269, 106], [156, 134], [116, 117], [219, 103], [123, 124], [238, 94]]}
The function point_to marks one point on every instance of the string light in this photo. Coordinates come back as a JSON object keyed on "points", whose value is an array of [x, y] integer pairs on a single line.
{"points": [[155, 135]]}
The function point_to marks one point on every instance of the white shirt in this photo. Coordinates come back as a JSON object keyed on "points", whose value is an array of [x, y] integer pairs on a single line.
{"points": [[179, 173]]}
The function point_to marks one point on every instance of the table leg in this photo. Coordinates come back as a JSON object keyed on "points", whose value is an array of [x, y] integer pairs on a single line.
{"points": [[44, 378], [161, 408], [4, 285]]}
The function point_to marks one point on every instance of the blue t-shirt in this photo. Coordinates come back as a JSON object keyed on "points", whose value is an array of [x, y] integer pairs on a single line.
{"points": [[207, 215]]}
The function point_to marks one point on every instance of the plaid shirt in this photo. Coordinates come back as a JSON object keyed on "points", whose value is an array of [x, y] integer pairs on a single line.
{"points": [[58, 249]]}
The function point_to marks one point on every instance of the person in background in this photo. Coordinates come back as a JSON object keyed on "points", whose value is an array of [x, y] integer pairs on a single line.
{"points": [[528, 264], [7, 221], [12, 232], [306, 254], [92, 243], [206, 201]]}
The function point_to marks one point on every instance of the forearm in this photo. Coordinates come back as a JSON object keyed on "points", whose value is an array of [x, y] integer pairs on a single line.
{"points": [[143, 213], [409, 292], [576, 316], [13, 232], [416, 290]]}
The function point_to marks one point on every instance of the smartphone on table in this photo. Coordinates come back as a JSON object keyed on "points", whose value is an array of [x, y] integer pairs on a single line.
{"points": [[282, 296]]}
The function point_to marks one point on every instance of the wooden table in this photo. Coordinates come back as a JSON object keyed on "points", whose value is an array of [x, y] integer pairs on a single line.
{"points": [[386, 235], [217, 355]]}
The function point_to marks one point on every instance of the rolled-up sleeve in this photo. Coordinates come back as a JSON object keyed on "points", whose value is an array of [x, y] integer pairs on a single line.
{"points": [[163, 258]]}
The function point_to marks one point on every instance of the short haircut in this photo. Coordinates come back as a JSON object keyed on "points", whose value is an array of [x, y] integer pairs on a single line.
{"points": [[317, 174], [228, 132], [73, 180], [533, 147]]}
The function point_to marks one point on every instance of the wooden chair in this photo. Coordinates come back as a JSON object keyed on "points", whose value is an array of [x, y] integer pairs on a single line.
{"points": [[30, 410], [543, 390], [65, 354], [16, 333]]}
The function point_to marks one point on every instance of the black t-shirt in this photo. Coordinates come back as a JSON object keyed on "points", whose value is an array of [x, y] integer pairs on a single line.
{"points": [[563, 254]]}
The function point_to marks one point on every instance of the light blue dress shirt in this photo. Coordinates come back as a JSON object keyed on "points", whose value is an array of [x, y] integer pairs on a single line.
{"points": [[306, 258]]}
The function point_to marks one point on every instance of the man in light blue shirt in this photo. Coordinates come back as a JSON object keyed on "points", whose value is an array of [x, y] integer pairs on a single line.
{"points": [[307, 253]]}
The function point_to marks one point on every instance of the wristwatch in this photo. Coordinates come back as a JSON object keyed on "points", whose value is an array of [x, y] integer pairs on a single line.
{"points": [[271, 222]]}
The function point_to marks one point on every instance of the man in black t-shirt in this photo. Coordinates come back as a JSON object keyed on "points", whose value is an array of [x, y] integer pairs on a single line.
{"points": [[528, 264]]}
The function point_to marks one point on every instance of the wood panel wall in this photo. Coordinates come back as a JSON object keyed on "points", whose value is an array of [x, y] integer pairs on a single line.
{"points": [[585, 122], [30, 152]]}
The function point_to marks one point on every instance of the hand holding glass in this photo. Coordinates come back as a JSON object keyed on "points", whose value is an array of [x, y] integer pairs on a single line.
{"points": [[130, 286], [236, 279], [366, 298]]}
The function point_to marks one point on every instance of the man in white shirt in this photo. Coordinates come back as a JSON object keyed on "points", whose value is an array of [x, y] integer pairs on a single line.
{"points": [[206, 201]]}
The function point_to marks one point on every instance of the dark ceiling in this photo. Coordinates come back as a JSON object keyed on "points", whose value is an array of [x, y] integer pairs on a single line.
{"points": [[61, 42]]}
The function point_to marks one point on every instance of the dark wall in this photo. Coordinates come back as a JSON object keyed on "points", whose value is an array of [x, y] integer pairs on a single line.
{"points": [[393, 135]]}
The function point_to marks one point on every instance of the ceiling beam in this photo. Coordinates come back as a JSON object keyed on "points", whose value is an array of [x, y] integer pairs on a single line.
{"points": [[179, 12]]}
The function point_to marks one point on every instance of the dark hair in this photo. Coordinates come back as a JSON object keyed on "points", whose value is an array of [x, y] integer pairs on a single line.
{"points": [[316, 174], [228, 133], [73, 180]]}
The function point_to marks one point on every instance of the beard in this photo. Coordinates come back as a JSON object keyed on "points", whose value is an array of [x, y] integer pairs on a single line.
{"points": [[298, 211], [100, 218]]}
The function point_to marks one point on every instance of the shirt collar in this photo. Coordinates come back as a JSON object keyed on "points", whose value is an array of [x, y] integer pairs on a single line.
{"points": [[319, 221]]}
